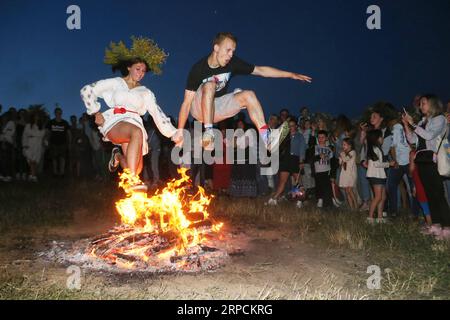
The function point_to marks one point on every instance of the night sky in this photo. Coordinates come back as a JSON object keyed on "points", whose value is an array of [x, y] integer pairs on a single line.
{"points": [[44, 62]]}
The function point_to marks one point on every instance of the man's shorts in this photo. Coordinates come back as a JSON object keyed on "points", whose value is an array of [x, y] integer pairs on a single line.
{"points": [[225, 106]]}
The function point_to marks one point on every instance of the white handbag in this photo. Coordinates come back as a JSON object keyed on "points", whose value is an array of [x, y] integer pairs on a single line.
{"points": [[443, 156]]}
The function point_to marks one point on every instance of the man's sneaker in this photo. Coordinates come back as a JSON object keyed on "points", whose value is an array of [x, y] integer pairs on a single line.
{"points": [[381, 221], [266, 139], [284, 132], [277, 136], [32, 178], [385, 214], [320, 203], [370, 220], [299, 204], [208, 140], [113, 162], [271, 202], [273, 138]]}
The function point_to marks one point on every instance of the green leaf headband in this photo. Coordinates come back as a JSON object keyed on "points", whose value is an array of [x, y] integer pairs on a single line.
{"points": [[143, 48]]}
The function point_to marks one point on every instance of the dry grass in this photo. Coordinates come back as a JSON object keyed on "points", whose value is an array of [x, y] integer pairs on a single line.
{"points": [[413, 265]]}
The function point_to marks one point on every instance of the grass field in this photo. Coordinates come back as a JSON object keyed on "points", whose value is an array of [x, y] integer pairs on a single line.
{"points": [[298, 253]]}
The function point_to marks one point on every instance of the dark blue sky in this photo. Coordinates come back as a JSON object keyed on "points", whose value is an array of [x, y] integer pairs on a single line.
{"points": [[44, 62]]}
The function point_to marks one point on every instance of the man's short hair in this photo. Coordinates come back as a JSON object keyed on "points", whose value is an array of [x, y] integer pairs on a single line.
{"points": [[222, 36], [324, 132]]}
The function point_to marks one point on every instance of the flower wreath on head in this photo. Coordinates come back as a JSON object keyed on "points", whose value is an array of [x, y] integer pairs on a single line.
{"points": [[143, 48]]}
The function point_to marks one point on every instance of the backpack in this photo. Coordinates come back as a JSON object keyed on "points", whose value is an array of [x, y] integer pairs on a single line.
{"points": [[443, 156]]}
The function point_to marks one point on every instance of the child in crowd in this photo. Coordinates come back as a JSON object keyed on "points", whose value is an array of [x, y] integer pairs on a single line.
{"points": [[322, 157], [376, 174], [348, 176]]}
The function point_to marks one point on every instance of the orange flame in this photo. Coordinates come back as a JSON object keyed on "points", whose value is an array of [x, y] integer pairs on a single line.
{"points": [[167, 210]]}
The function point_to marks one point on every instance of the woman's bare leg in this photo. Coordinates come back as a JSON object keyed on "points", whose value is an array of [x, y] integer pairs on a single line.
{"points": [[375, 201], [249, 100], [381, 204], [284, 176], [351, 198], [127, 133]]}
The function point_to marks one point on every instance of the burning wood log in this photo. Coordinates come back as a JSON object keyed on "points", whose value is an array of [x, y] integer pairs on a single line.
{"points": [[141, 238], [126, 257], [195, 216], [208, 249]]}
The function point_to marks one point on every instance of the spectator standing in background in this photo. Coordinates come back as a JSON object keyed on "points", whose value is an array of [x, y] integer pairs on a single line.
{"points": [[59, 140]]}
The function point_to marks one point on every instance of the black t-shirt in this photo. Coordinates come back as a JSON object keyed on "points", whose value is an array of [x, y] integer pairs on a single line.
{"points": [[201, 72], [58, 131]]}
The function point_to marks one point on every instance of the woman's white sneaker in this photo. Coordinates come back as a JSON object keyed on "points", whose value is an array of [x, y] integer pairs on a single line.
{"points": [[271, 202], [320, 203]]}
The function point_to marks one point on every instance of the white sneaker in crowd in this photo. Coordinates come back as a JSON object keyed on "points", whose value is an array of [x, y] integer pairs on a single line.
{"points": [[382, 220], [271, 202], [370, 220], [336, 203], [32, 178], [320, 203], [299, 204]]}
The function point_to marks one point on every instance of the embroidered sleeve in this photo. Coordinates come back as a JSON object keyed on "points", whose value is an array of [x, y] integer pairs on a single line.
{"points": [[92, 92]]}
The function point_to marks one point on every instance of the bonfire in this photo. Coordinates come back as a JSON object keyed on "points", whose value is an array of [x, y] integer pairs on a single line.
{"points": [[172, 225]]}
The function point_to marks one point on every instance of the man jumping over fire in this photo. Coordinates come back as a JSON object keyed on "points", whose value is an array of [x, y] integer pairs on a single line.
{"points": [[206, 94]]}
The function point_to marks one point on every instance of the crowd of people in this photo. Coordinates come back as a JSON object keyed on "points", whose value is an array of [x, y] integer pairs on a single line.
{"points": [[35, 146], [386, 163]]}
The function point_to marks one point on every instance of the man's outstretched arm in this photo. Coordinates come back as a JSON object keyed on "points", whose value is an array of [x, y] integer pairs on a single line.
{"points": [[269, 72]]}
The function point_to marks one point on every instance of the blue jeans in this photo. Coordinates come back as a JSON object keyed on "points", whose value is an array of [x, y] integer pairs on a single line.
{"points": [[394, 177], [363, 184]]}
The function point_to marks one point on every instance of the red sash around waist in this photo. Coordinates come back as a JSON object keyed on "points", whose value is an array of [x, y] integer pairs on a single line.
{"points": [[122, 110]]}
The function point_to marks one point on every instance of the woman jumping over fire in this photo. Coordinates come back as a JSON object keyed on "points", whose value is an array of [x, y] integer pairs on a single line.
{"points": [[128, 100]]}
